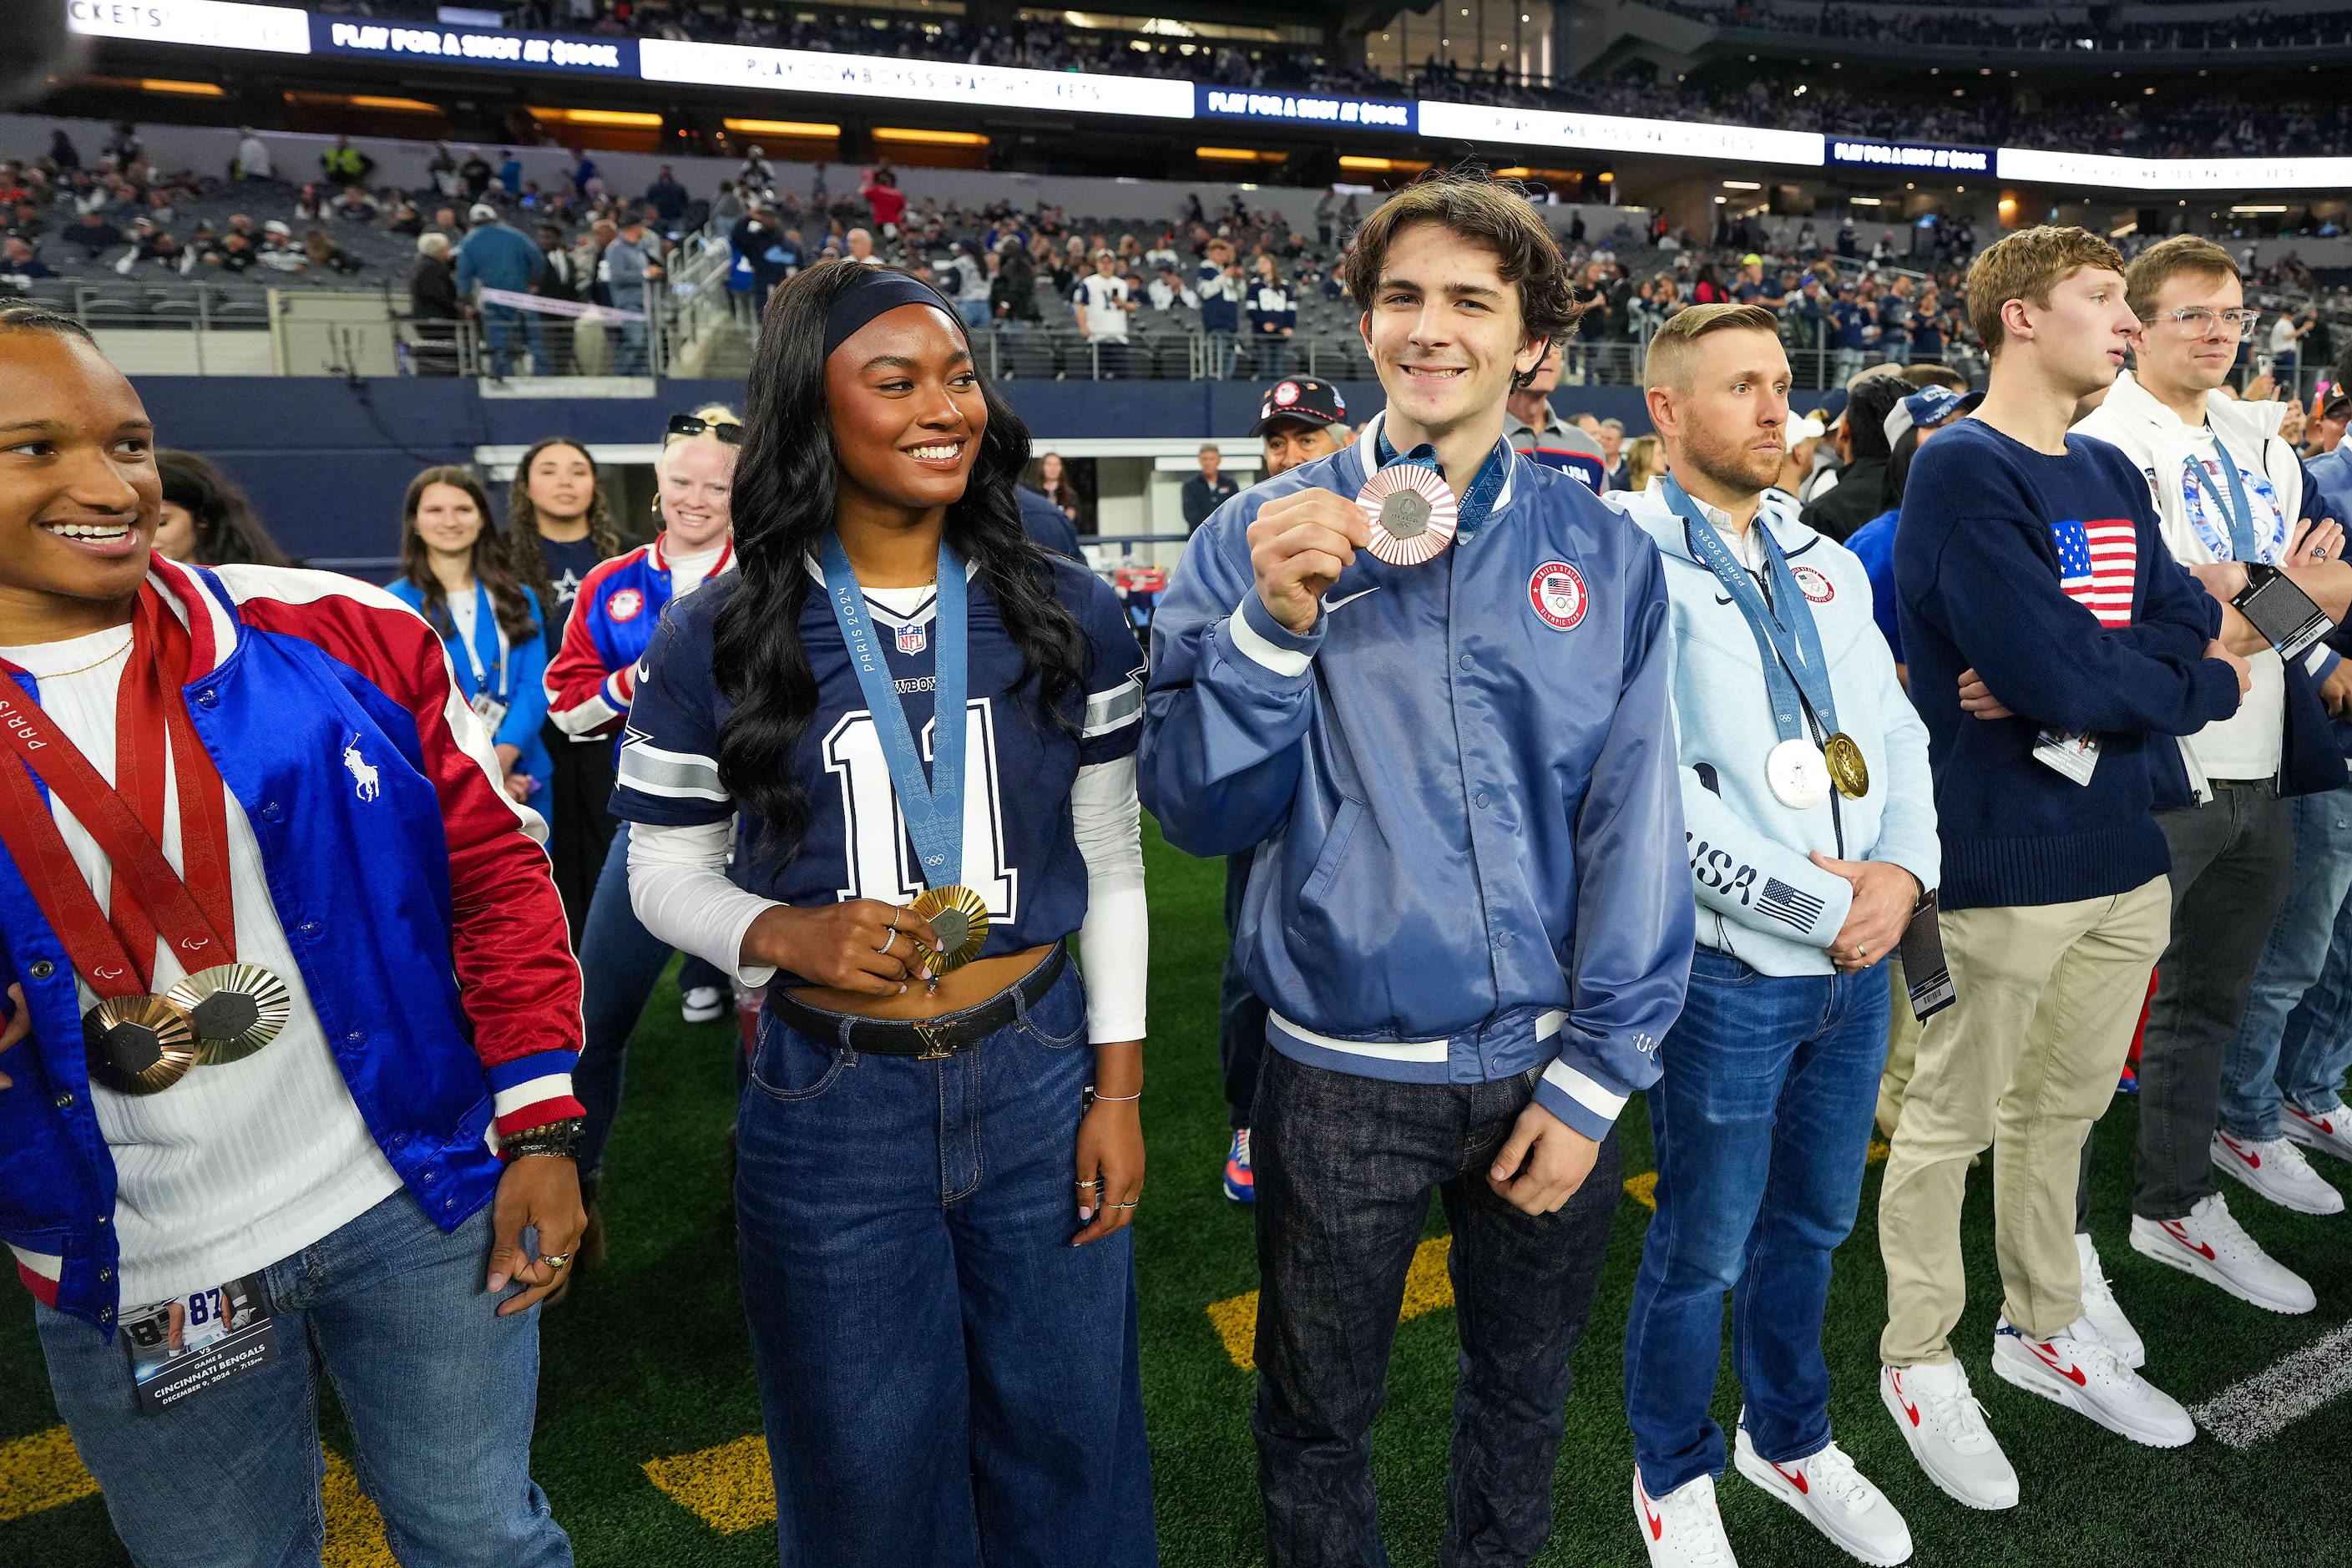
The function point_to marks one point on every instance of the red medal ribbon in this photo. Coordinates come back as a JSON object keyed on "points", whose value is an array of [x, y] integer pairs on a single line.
{"points": [[116, 955]]}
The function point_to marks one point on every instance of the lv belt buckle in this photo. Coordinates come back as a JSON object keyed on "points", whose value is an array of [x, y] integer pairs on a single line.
{"points": [[935, 1047]]}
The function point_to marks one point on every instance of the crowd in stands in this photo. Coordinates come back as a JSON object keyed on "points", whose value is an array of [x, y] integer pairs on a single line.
{"points": [[1223, 290], [2202, 126], [2023, 28]]}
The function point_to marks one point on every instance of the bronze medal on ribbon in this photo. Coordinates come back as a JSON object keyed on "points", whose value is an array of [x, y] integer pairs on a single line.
{"points": [[137, 1044], [959, 918], [235, 1008], [1411, 512], [1851, 774]]}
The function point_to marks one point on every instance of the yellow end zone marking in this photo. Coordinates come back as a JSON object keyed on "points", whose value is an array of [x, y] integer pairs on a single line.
{"points": [[1644, 1190], [354, 1527], [42, 1472], [729, 1487]]}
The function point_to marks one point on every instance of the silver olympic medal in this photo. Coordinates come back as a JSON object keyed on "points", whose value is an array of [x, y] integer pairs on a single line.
{"points": [[1798, 775]]}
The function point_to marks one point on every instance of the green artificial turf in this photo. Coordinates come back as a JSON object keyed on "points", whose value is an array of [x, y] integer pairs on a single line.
{"points": [[649, 1360]]}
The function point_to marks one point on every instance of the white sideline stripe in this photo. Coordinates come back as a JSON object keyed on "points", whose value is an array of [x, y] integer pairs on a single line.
{"points": [[2273, 1399]]}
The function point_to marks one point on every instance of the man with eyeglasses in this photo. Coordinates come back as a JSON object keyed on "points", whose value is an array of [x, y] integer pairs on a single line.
{"points": [[2251, 795]]}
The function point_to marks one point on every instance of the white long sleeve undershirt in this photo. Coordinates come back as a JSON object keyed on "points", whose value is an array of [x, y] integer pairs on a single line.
{"points": [[679, 886]]}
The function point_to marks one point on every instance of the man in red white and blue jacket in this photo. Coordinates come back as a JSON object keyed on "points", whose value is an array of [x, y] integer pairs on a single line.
{"points": [[358, 1189]]}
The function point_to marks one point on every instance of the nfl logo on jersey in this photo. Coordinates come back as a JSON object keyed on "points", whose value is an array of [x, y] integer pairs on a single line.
{"points": [[912, 640]]}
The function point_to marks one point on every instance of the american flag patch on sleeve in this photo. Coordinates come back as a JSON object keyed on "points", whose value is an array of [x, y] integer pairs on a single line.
{"points": [[1794, 905]]}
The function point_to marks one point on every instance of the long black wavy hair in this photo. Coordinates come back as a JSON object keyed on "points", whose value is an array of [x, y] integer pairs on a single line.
{"points": [[786, 485]]}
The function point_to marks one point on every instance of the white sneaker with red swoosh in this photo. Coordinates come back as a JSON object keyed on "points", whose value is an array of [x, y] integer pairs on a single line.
{"points": [[1839, 1500], [1683, 1529], [2329, 1131], [1946, 1428], [2079, 1370], [2209, 1243], [2278, 1170]]}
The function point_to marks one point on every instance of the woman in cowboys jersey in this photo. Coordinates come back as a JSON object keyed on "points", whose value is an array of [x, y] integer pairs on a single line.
{"points": [[940, 1147]]}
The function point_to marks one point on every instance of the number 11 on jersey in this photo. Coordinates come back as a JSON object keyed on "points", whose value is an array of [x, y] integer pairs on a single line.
{"points": [[881, 862]]}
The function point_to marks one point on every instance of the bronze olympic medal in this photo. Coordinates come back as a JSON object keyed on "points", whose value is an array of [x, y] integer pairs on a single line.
{"points": [[138, 1045], [1411, 512], [958, 919], [235, 1008], [1798, 775], [1842, 753]]}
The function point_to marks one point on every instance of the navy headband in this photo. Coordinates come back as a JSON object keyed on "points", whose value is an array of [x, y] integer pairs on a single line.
{"points": [[869, 297]]}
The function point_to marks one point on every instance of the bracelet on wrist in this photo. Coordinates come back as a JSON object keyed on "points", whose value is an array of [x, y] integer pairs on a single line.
{"points": [[561, 1140], [1119, 1099]]}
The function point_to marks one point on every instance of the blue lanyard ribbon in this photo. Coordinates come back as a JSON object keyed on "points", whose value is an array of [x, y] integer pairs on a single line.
{"points": [[2237, 510], [1790, 646], [1477, 501], [934, 811]]}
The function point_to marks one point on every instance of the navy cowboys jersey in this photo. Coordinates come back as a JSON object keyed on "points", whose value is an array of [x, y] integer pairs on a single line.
{"points": [[1019, 852]]}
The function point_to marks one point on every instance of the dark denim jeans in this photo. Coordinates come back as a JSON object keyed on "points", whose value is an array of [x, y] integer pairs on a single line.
{"points": [[1762, 1123], [440, 1392], [945, 1380], [620, 961], [1344, 1166]]}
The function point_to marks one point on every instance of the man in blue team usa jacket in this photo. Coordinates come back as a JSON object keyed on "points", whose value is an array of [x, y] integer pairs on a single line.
{"points": [[1761, 1118], [1466, 912]]}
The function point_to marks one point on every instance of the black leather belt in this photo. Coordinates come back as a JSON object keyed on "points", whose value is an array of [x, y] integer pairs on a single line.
{"points": [[929, 1038]]}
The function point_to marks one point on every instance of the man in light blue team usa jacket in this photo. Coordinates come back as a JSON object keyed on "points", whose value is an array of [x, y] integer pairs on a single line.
{"points": [[1762, 1114], [1468, 910]]}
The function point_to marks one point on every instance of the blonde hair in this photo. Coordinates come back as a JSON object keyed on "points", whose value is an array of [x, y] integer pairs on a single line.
{"points": [[2026, 266], [1670, 351], [1646, 458]]}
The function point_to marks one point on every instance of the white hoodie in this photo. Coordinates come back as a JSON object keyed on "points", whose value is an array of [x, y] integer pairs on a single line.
{"points": [[2191, 505]]}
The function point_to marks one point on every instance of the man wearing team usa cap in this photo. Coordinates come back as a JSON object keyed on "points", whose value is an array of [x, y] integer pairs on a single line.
{"points": [[1300, 420], [1428, 679], [287, 1068]]}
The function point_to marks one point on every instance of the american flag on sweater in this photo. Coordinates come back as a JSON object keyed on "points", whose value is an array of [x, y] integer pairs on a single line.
{"points": [[2097, 566]]}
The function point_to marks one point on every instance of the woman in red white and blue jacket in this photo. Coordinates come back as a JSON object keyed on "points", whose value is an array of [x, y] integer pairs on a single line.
{"points": [[270, 774], [590, 687]]}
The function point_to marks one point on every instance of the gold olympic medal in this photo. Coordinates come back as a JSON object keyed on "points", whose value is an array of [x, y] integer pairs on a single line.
{"points": [[1411, 512], [1852, 774], [235, 1008], [138, 1045], [958, 919]]}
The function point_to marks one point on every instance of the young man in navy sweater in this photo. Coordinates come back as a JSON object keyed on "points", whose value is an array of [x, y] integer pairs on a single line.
{"points": [[2049, 633]]}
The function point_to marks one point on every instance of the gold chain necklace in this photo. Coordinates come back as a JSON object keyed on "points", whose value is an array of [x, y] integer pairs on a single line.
{"points": [[81, 669]]}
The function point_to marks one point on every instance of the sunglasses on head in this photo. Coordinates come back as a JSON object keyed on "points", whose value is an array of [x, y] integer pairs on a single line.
{"points": [[693, 424]]}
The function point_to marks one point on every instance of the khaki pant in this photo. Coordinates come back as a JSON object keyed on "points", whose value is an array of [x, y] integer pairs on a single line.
{"points": [[2023, 1061], [1903, 1032]]}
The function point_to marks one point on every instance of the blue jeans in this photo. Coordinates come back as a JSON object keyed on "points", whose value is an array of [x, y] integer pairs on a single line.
{"points": [[1762, 1123], [620, 961], [944, 1379], [501, 324], [974, 314], [440, 1391], [2296, 1037]]}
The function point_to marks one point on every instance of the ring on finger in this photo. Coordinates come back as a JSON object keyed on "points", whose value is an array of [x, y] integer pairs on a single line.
{"points": [[888, 940], [556, 1260]]}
